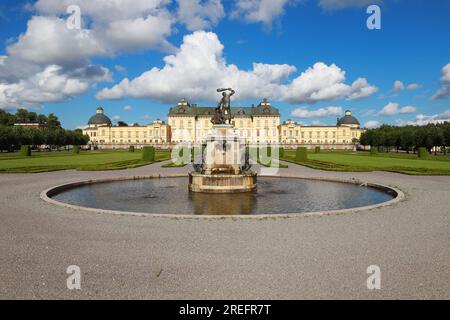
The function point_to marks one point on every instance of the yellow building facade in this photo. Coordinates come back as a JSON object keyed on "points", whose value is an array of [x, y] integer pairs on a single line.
{"points": [[104, 135], [344, 135], [256, 124], [190, 123]]}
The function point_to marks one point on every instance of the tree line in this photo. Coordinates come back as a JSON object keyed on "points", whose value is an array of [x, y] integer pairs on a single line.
{"points": [[50, 134], [409, 138]]}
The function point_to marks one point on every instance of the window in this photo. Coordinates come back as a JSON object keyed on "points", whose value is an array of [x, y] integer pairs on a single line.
{"points": [[129, 134], [303, 135], [296, 133], [113, 134], [326, 134], [318, 134], [266, 123], [284, 132], [334, 134], [121, 134], [310, 134], [290, 133]]}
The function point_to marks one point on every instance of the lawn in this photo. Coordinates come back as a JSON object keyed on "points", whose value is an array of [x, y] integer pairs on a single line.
{"points": [[362, 161], [86, 160]]}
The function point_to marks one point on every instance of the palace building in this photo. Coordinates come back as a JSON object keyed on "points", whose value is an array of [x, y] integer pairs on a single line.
{"points": [[255, 124], [190, 123], [341, 136], [104, 135]]}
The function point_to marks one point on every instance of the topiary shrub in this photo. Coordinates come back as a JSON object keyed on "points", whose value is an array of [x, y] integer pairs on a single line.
{"points": [[301, 155], [373, 150], [281, 152], [422, 153], [76, 149], [317, 150], [148, 153], [25, 150], [131, 149]]}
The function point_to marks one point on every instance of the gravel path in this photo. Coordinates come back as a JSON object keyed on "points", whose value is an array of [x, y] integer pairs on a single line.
{"points": [[293, 258]]}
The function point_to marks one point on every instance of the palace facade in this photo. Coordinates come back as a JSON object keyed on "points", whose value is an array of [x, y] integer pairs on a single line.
{"points": [[190, 123]]}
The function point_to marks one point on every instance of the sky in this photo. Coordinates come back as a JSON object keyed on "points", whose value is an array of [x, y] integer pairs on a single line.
{"points": [[313, 59]]}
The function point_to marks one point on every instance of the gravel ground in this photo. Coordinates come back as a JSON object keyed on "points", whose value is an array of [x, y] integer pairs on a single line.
{"points": [[163, 258]]}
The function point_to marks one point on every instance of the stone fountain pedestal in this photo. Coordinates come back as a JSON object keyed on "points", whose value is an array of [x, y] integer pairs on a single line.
{"points": [[224, 166]]}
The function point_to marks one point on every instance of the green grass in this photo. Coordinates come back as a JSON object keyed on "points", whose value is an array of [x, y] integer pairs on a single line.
{"points": [[363, 162], [86, 161]]}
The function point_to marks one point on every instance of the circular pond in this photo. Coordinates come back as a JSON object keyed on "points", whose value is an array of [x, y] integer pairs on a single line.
{"points": [[171, 196]]}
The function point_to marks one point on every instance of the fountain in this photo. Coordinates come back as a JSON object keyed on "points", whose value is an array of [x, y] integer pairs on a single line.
{"points": [[222, 183], [222, 164]]}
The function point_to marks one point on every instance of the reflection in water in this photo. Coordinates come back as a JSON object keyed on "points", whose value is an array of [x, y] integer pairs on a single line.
{"points": [[171, 196], [223, 204]]}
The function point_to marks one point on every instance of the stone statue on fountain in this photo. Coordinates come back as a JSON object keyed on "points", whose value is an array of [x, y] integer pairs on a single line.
{"points": [[223, 110]]}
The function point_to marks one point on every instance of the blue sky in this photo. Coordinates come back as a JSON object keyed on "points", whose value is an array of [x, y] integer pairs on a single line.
{"points": [[412, 47]]}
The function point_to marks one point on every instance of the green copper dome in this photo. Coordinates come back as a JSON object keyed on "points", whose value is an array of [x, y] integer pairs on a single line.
{"points": [[99, 118], [348, 119]]}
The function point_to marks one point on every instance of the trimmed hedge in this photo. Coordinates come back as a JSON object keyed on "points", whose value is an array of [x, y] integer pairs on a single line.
{"points": [[317, 150], [422, 153], [148, 153], [373, 150], [25, 150], [301, 155], [131, 149], [281, 150], [76, 149]]}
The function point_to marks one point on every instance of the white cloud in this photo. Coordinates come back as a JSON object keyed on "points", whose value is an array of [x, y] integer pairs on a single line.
{"points": [[50, 85], [199, 67], [265, 11], [325, 83], [116, 118], [422, 119], [373, 124], [444, 90], [303, 112], [49, 52], [361, 89], [413, 86], [120, 68], [127, 108], [47, 40], [393, 108], [197, 14], [343, 4], [398, 86]]}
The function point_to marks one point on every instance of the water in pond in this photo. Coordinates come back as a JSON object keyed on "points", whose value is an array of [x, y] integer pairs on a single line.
{"points": [[171, 196]]}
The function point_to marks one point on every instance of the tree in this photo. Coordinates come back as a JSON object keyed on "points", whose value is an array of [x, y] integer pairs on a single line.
{"points": [[53, 122]]}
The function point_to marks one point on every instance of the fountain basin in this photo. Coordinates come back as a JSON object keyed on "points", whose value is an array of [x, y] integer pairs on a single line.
{"points": [[168, 197]]}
